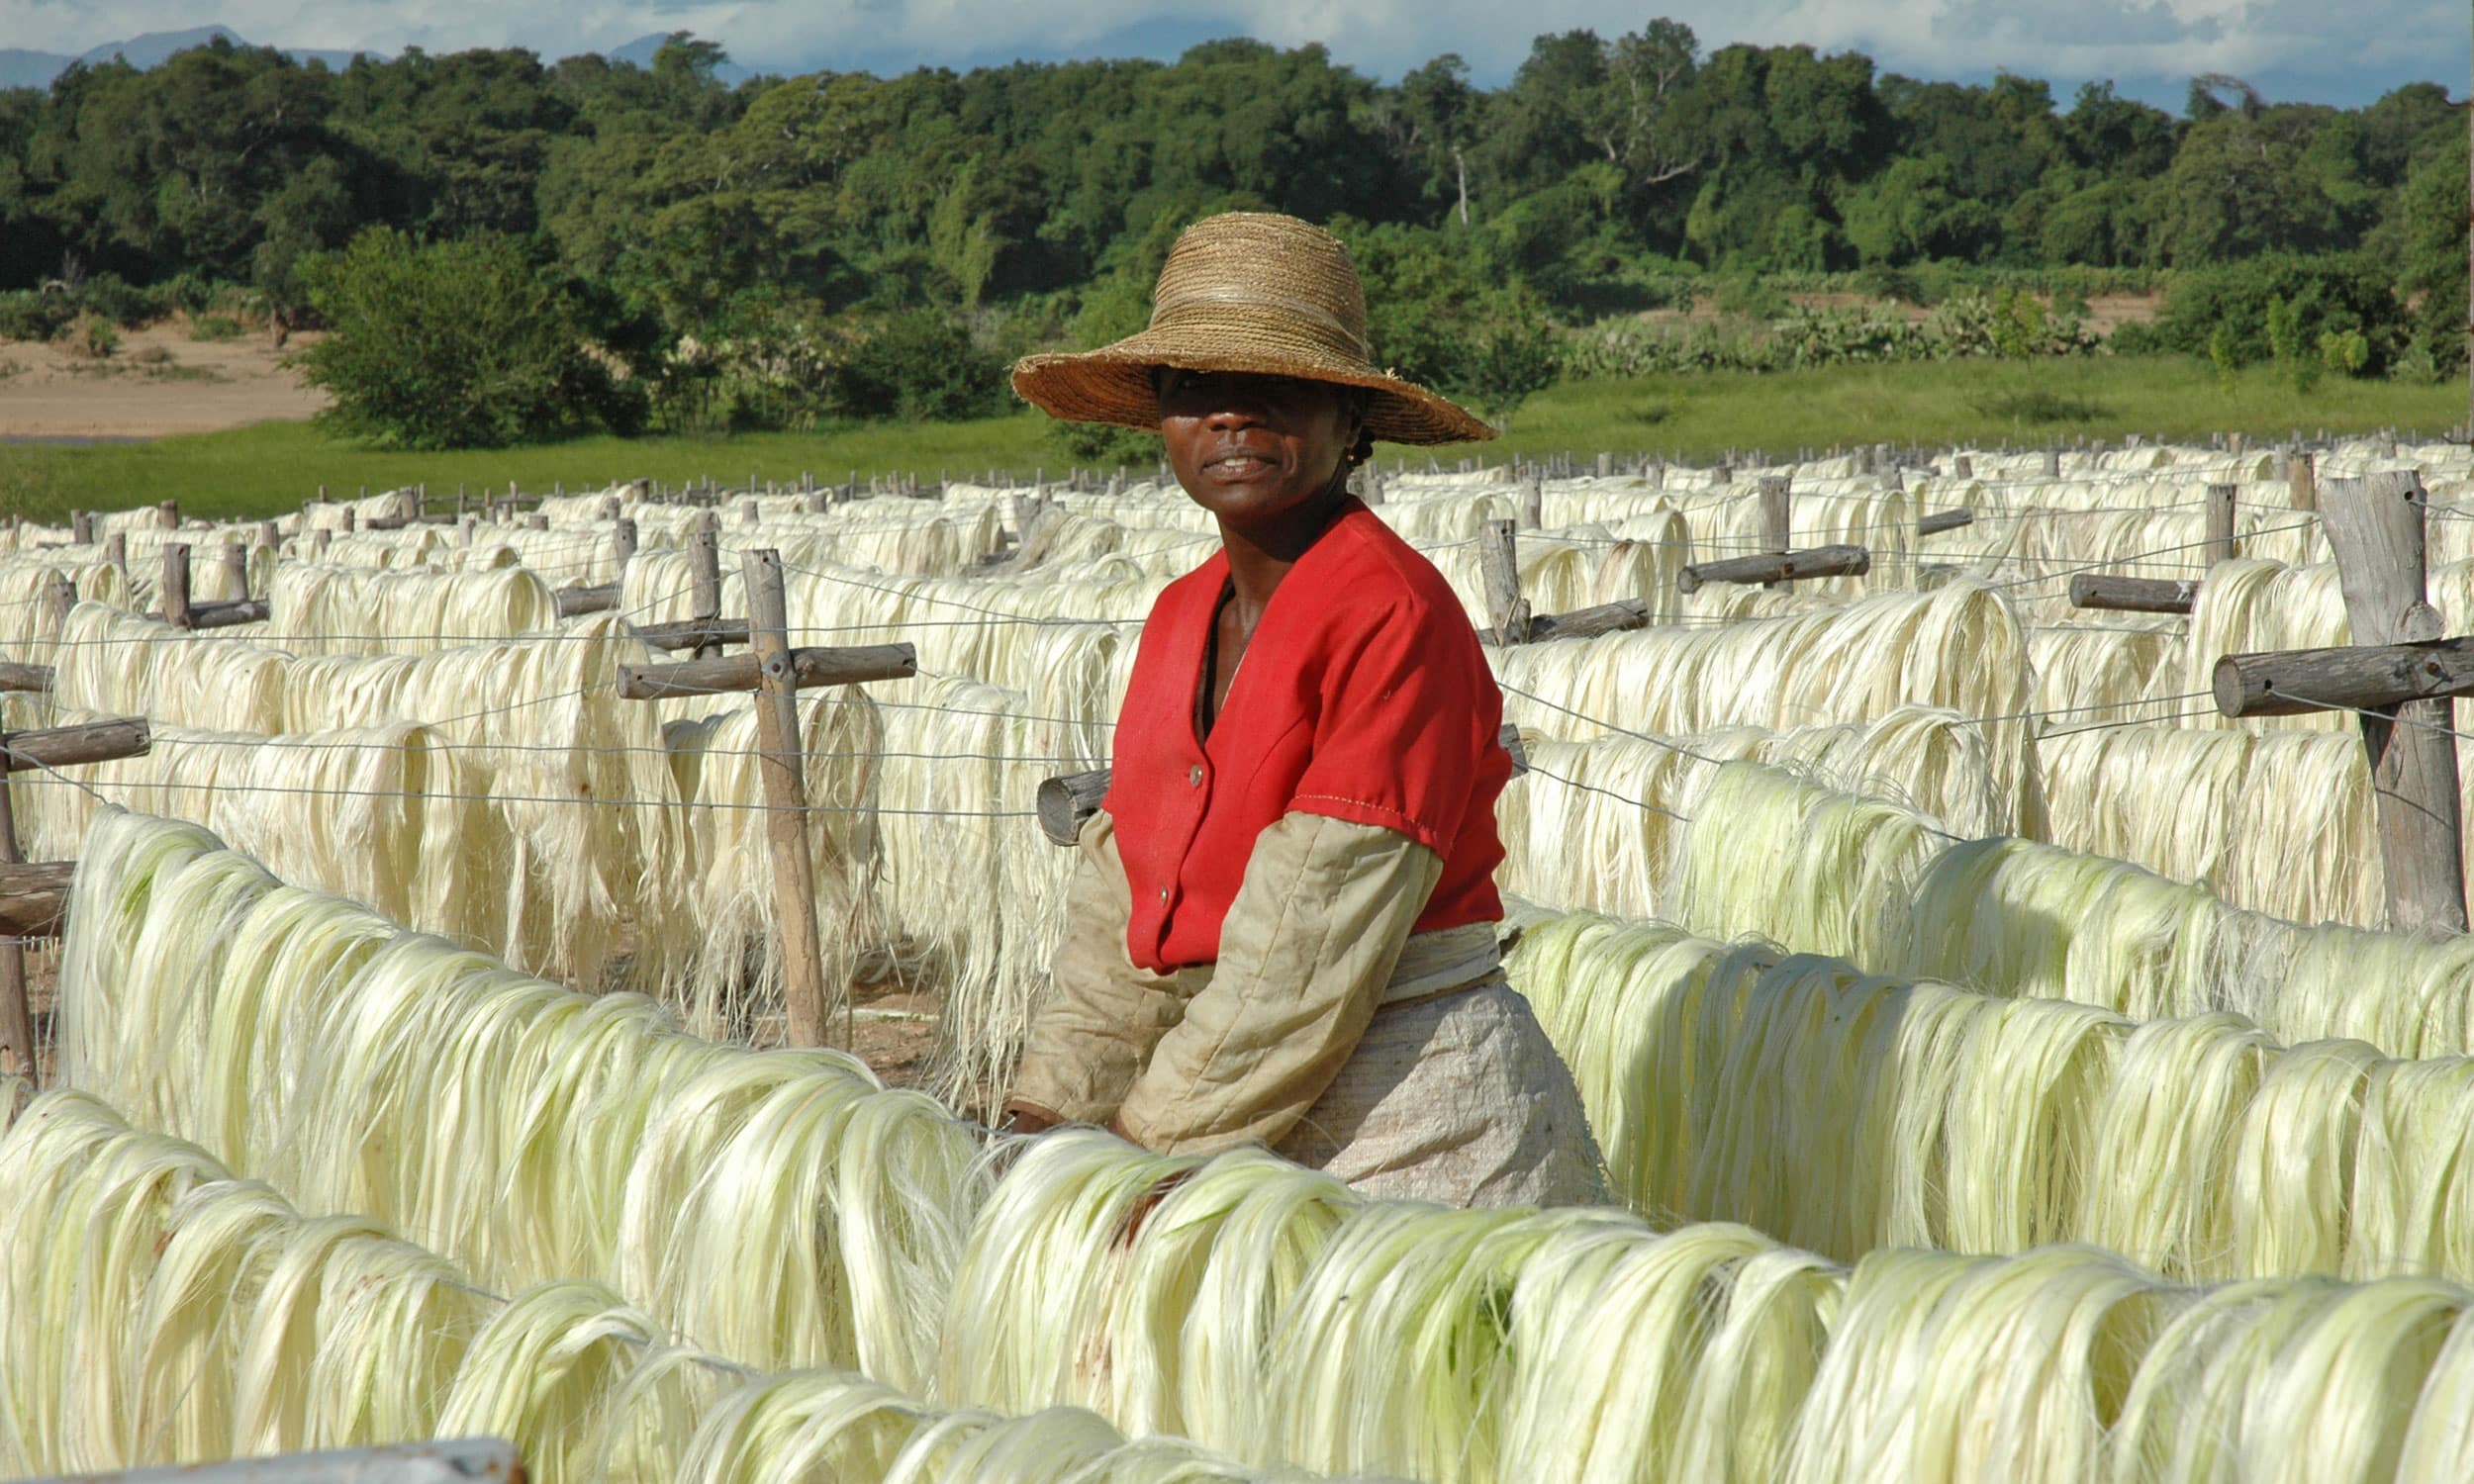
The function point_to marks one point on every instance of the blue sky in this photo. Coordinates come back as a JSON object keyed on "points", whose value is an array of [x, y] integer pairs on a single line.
{"points": [[2344, 52]]}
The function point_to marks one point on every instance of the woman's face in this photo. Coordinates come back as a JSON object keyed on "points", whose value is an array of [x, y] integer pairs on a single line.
{"points": [[1251, 448]]}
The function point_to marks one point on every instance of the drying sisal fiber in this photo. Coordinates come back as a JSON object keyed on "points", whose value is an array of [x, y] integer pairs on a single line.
{"points": [[1568, 842], [201, 1317], [1775, 856], [1959, 647], [395, 816], [528, 1131], [1576, 1345], [2015, 917], [1242, 1310], [2278, 821], [1848, 1113], [732, 973], [316, 609]]}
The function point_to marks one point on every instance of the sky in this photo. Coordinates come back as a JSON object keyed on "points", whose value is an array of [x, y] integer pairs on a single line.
{"points": [[2344, 52]]}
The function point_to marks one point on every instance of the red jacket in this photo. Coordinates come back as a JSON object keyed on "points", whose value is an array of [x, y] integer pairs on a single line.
{"points": [[1362, 695]]}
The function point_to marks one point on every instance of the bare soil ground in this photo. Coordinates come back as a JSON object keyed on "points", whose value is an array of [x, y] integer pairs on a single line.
{"points": [[159, 382]]}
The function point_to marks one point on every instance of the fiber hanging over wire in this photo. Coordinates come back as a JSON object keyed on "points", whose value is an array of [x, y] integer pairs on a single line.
{"points": [[155, 1311], [528, 1131], [1846, 1113]]}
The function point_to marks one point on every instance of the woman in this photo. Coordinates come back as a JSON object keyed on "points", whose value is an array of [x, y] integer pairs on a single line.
{"points": [[1284, 916]]}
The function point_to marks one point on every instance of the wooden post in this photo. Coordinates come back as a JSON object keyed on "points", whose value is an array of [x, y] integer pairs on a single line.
{"points": [[704, 565], [59, 594], [1775, 519], [786, 800], [321, 541], [2375, 529], [2221, 546], [2302, 481], [1533, 501], [623, 542], [175, 595], [1774, 569], [19, 1056], [2133, 594], [81, 527], [115, 551], [1498, 562], [269, 535], [1963, 467], [167, 515], [236, 569], [351, 519], [2053, 463]]}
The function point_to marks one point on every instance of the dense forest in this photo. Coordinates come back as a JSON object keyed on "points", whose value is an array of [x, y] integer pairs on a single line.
{"points": [[840, 244]]}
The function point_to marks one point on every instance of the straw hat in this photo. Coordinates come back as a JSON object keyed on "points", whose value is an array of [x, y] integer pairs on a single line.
{"points": [[1246, 291]]}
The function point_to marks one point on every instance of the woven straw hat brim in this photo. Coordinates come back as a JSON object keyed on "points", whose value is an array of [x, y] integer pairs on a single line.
{"points": [[1113, 383]]}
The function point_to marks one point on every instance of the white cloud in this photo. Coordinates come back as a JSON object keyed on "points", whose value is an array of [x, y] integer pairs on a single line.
{"points": [[2067, 39]]}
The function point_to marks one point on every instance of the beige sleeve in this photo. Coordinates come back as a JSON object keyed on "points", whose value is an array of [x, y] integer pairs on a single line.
{"points": [[1103, 1015], [1307, 950]]}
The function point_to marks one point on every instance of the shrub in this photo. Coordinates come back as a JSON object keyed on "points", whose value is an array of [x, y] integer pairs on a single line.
{"points": [[2335, 292], [918, 366], [1515, 353], [92, 336], [458, 344], [28, 315], [107, 297], [2135, 337], [213, 327]]}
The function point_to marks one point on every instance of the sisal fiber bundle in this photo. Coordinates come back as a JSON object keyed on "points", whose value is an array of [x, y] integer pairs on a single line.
{"points": [[2278, 821], [322, 608], [1780, 857], [1961, 647], [527, 1131], [2015, 917], [207, 1318], [1577, 1345], [395, 815], [1569, 843]]}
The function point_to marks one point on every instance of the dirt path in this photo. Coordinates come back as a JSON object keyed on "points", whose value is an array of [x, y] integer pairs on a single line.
{"points": [[159, 382]]}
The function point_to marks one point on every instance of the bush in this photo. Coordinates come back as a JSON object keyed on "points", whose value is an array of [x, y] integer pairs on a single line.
{"points": [[107, 297], [918, 367], [2330, 293], [92, 336], [28, 315], [458, 344], [212, 328], [2135, 337]]}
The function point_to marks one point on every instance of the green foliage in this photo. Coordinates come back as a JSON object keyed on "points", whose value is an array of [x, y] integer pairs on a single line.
{"points": [[28, 315], [2232, 304], [737, 249], [213, 327], [2223, 355], [1516, 354], [2345, 351], [916, 367], [91, 336], [2287, 348], [460, 344]]}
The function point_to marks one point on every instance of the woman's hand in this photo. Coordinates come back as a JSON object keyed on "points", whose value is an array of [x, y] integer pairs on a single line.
{"points": [[1023, 1118]]}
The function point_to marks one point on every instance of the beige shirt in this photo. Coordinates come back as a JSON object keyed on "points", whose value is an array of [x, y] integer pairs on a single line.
{"points": [[1234, 1052]]}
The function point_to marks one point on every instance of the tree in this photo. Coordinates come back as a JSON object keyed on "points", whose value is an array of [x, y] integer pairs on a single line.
{"points": [[460, 344]]}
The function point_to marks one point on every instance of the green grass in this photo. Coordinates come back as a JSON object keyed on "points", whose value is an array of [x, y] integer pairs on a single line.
{"points": [[270, 468]]}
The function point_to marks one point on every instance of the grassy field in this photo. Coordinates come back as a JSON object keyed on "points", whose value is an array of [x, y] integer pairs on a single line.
{"points": [[270, 468]]}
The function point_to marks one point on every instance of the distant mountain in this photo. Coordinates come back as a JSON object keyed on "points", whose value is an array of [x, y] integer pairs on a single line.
{"points": [[155, 47]]}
